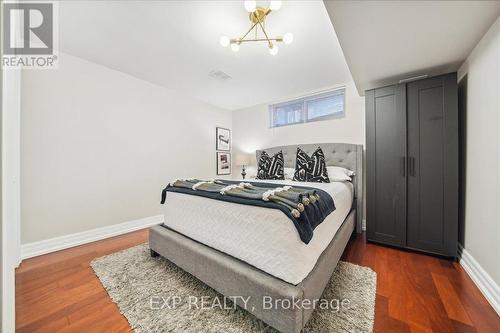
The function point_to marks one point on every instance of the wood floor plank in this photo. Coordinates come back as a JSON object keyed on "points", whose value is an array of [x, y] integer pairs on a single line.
{"points": [[59, 292], [462, 328], [51, 326], [383, 321], [482, 315], [450, 299], [94, 322]]}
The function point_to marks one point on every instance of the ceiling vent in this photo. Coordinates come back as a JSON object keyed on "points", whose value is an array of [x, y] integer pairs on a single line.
{"points": [[219, 75]]}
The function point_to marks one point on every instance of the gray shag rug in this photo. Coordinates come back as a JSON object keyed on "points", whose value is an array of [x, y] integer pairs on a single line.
{"points": [[145, 290]]}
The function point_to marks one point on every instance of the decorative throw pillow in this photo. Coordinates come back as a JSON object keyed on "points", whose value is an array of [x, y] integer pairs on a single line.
{"points": [[311, 169], [263, 167], [301, 166], [277, 169], [271, 167]]}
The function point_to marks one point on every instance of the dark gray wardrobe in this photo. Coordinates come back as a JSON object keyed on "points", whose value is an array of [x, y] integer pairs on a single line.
{"points": [[412, 165]]}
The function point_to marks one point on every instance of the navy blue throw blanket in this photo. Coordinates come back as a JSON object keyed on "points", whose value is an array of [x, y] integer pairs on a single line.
{"points": [[309, 219]]}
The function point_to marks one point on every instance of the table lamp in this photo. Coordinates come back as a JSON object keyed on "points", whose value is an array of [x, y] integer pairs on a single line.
{"points": [[242, 160]]}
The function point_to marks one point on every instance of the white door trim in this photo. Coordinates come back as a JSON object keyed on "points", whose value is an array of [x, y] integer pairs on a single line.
{"points": [[11, 205]]}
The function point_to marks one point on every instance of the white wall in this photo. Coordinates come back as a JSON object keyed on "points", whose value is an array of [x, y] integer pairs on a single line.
{"points": [[482, 147], [98, 146], [251, 129]]}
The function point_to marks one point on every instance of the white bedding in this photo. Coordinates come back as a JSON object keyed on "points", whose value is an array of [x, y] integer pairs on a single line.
{"points": [[264, 238]]}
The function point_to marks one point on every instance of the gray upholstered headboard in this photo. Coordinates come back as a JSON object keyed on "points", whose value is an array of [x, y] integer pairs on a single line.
{"points": [[345, 155]]}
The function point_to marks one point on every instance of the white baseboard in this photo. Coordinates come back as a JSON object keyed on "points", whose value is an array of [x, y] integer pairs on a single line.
{"points": [[481, 278], [363, 225], [60, 243]]}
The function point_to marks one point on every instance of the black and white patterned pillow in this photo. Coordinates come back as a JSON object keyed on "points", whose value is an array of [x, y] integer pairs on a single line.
{"points": [[277, 168], [318, 172], [271, 167], [263, 167], [311, 169], [301, 166]]}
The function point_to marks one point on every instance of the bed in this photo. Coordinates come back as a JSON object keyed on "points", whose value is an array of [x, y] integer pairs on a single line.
{"points": [[260, 253]]}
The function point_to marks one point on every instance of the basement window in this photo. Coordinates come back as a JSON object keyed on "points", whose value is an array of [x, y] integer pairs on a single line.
{"points": [[324, 106]]}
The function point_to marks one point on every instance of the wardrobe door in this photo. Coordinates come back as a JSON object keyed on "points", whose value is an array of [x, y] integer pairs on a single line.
{"points": [[433, 165], [386, 164]]}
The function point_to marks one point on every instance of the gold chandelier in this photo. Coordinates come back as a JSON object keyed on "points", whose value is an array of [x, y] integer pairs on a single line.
{"points": [[257, 18]]}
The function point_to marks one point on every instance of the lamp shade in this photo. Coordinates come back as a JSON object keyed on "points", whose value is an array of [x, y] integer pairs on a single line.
{"points": [[242, 159]]}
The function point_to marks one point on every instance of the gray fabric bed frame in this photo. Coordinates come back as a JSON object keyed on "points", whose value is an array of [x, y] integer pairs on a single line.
{"points": [[233, 277]]}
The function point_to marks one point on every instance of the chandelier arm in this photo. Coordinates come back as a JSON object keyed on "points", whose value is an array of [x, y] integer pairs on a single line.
{"points": [[278, 39], [251, 28], [265, 34]]}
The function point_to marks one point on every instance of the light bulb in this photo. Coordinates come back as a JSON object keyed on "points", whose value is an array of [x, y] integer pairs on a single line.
{"points": [[235, 47], [275, 5], [224, 41], [273, 50], [250, 5], [288, 38]]}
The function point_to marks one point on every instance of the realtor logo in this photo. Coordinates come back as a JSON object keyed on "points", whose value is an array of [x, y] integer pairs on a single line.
{"points": [[29, 35]]}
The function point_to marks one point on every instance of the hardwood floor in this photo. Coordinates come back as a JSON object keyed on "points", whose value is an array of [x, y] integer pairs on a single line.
{"points": [[59, 292]]}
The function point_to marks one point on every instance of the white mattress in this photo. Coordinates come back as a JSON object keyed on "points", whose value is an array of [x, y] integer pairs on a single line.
{"points": [[263, 237]]}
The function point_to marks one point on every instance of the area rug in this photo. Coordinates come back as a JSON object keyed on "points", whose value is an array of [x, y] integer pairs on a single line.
{"points": [[157, 296]]}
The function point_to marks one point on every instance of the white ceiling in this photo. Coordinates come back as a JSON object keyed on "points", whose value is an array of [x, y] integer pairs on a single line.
{"points": [[175, 44], [385, 41]]}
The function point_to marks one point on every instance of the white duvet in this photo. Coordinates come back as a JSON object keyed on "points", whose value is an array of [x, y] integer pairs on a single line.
{"points": [[263, 237]]}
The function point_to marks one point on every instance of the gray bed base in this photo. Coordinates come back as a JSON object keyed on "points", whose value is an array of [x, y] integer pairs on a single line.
{"points": [[233, 277]]}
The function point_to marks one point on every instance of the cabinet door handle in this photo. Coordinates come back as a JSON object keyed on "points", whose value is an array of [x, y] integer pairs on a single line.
{"points": [[412, 166], [403, 166]]}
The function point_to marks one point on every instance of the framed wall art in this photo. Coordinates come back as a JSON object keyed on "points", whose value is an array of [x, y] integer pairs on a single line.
{"points": [[223, 139], [223, 163]]}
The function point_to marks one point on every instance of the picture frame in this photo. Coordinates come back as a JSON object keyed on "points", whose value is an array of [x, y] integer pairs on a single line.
{"points": [[223, 163], [222, 139]]}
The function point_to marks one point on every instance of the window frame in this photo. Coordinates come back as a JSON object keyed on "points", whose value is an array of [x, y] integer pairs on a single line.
{"points": [[304, 111]]}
